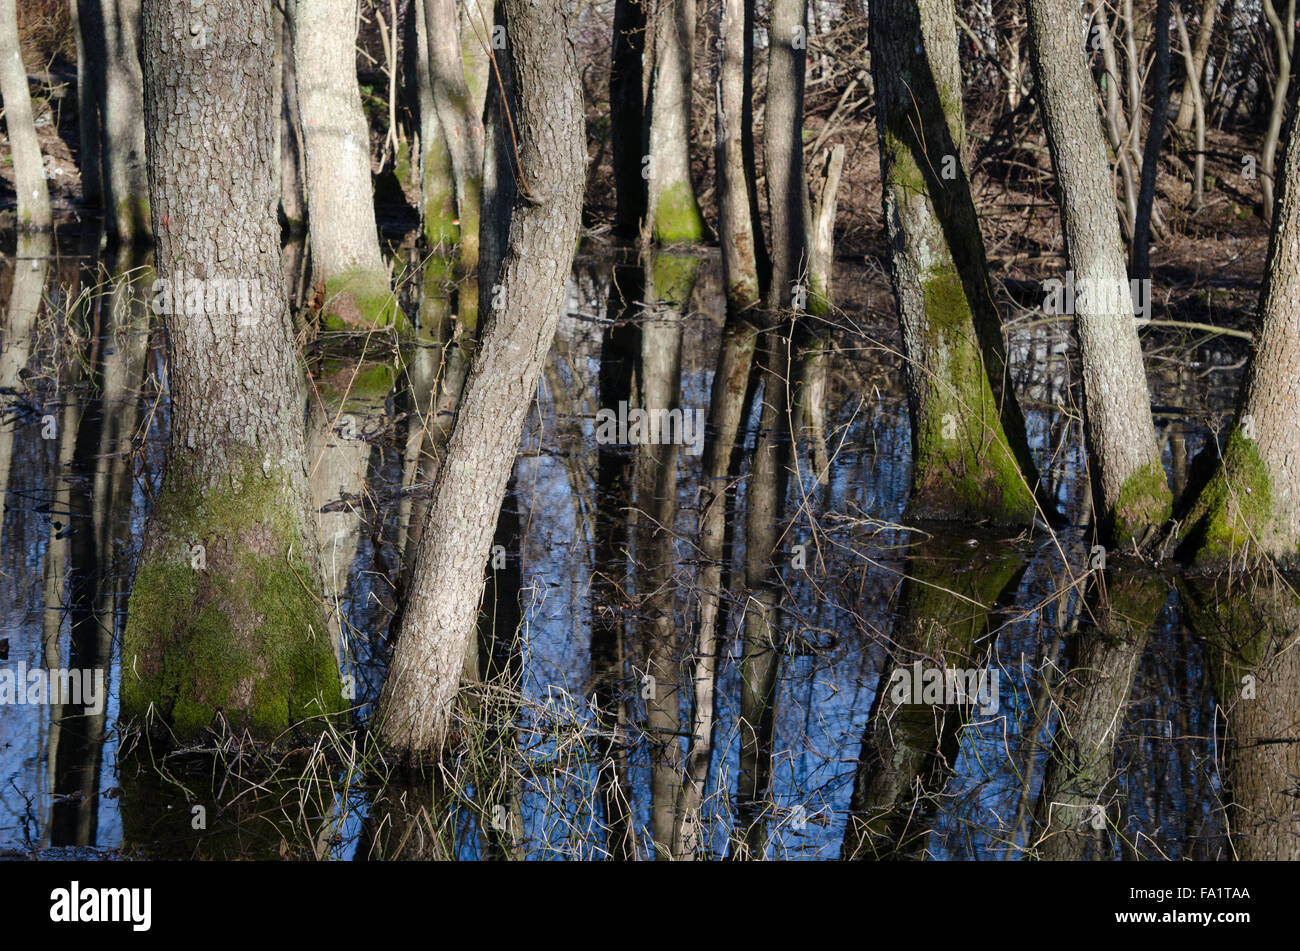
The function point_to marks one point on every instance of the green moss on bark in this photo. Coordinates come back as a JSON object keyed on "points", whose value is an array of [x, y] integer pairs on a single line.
{"points": [[964, 466], [1144, 502], [1233, 509], [360, 299], [677, 216], [223, 615]]}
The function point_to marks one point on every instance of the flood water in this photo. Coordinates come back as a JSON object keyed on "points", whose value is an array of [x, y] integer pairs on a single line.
{"points": [[1097, 729]]}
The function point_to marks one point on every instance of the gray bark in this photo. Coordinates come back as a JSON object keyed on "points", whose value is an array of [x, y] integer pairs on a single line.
{"points": [[29, 168]]}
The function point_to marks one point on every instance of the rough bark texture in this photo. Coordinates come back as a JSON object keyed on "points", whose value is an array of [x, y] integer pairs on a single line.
{"points": [[225, 614], [970, 456], [444, 599], [29, 168], [347, 267], [1121, 436], [1251, 506], [673, 210]]}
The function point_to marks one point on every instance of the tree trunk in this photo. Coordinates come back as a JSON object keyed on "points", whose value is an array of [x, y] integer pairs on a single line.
{"points": [[224, 618], [29, 167], [1151, 153], [461, 124], [292, 202], [1195, 58], [347, 267], [443, 603], [673, 212], [1125, 460], [787, 192], [88, 158], [970, 455], [738, 224], [1251, 505], [1197, 105], [121, 105], [1283, 36]]}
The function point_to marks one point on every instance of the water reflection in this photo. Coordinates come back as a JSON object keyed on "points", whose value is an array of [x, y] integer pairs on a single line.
{"points": [[681, 653]]}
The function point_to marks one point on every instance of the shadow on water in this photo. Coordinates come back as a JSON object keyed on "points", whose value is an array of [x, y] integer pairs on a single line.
{"points": [[692, 645]]}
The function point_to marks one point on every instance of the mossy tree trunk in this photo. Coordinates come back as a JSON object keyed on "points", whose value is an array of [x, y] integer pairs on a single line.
{"points": [[460, 120], [1251, 505], [1125, 460], [347, 267], [969, 451], [29, 168], [225, 616], [673, 211], [443, 603]]}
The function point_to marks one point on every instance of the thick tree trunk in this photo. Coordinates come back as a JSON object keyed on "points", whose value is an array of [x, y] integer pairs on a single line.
{"points": [[673, 212], [970, 455], [224, 618], [29, 168], [627, 113], [444, 599], [1134, 496], [1251, 506], [347, 267]]}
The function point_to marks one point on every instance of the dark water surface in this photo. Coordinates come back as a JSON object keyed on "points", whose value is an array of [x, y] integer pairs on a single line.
{"points": [[1105, 690]]}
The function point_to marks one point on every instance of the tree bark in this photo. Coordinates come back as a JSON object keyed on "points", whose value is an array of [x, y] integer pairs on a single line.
{"points": [[1151, 153], [970, 455], [627, 113], [224, 618], [347, 267], [116, 62], [443, 603], [1125, 460], [787, 192], [29, 167], [672, 209], [738, 223], [1251, 505]]}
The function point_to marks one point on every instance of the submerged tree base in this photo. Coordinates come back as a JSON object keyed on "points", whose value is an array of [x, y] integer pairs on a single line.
{"points": [[359, 299], [1144, 504], [224, 619]]}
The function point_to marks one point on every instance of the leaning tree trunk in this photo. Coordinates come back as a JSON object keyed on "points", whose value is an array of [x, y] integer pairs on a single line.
{"points": [[347, 267], [1251, 505], [674, 214], [1125, 460], [29, 168], [224, 617], [970, 455], [1283, 36], [442, 607]]}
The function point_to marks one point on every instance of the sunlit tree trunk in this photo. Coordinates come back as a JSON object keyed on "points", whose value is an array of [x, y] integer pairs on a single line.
{"points": [[224, 617], [739, 235], [787, 192], [673, 210], [347, 268], [970, 456], [29, 167], [1251, 505], [443, 603], [1195, 58], [1124, 458]]}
